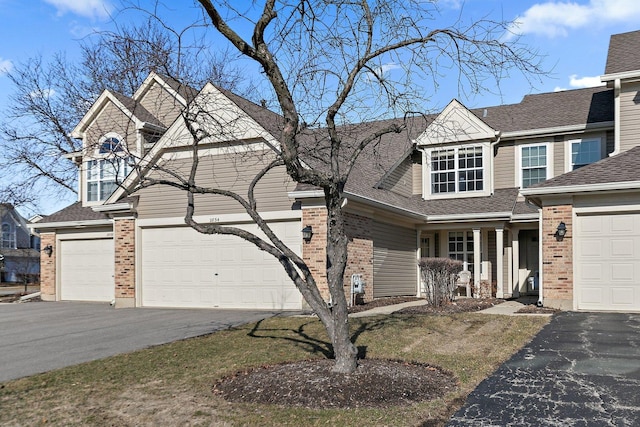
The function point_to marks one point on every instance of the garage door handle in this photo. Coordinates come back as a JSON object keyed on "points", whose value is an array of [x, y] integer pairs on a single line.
{"points": [[215, 274]]}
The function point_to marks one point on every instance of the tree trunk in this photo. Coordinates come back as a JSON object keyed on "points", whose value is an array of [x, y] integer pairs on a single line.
{"points": [[344, 350]]}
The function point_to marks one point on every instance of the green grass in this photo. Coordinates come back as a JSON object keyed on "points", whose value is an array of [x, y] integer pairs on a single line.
{"points": [[171, 384]]}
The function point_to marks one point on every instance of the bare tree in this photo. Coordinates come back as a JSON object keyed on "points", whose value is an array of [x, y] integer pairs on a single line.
{"points": [[52, 95], [328, 64]]}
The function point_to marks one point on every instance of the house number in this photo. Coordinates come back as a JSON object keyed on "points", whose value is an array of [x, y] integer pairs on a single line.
{"points": [[214, 219]]}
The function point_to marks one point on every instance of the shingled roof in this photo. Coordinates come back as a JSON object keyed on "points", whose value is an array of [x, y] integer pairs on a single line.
{"points": [[554, 109], [623, 53], [74, 212], [136, 109]]}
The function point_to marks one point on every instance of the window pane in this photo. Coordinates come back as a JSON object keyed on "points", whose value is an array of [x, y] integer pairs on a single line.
{"points": [[585, 152], [534, 162]]}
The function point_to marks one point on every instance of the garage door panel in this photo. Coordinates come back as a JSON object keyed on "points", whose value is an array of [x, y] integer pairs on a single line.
{"points": [[87, 268], [607, 262], [224, 271]]}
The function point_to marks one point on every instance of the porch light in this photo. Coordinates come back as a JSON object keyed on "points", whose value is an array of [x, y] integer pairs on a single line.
{"points": [[561, 231], [307, 232], [48, 250]]}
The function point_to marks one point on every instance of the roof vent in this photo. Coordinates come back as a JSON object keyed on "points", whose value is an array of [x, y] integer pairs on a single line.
{"points": [[484, 113]]}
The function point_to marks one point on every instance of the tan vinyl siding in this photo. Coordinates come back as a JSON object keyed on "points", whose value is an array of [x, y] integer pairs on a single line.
{"points": [[161, 104], [504, 166], [394, 260], [629, 117], [416, 172], [558, 156], [228, 172], [400, 180], [110, 119]]}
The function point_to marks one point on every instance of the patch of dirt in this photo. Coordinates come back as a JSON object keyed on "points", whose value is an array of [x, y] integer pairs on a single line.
{"points": [[534, 309], [380, 302], [312, 384], [462, 305]]}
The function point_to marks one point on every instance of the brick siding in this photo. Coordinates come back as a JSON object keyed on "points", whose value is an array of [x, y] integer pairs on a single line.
{"points": [[360, 250], [48, 268], [557, 257], [125, 261]]}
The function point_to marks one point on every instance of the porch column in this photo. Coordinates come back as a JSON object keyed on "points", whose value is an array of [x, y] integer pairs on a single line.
{"points": [[515, 244], [476, 261], [499, 262]]}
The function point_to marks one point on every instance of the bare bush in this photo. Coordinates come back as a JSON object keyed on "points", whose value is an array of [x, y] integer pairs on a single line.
{"points": [[439, 278]]}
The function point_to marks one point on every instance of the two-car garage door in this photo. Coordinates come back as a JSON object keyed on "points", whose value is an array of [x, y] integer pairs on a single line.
{"points": [[184, 268], [607, 262]]}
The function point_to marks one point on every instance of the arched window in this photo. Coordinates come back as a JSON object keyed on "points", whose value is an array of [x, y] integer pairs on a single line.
{"points": [[110, 144], [8, 236]]}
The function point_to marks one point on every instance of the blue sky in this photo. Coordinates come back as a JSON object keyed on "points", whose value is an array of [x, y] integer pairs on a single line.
{"points": [[574, 36]]}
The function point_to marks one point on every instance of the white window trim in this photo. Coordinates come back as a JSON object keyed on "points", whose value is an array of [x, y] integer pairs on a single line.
{"points": [[125, 153], [115, 135], [518, 156], [13, 244], [486, 173], [568, 164]]}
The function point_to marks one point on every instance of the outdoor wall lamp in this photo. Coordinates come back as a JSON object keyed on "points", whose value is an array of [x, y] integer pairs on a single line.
{"points": [[307, 232], [48, 250], [561, 231]]}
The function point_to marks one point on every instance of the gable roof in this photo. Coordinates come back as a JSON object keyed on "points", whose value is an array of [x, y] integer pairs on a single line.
{"points": [[456, 123], [623, 53]]}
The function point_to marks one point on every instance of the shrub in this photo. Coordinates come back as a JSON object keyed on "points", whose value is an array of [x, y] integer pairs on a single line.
{"points": [[439, 277]]}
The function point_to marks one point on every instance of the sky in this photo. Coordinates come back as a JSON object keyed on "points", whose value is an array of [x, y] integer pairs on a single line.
{"points": [[572, 35]]}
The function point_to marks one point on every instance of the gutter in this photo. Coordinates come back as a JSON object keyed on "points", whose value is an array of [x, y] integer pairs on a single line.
{"points": [[556, 130], [581, 188], [70, 224]]}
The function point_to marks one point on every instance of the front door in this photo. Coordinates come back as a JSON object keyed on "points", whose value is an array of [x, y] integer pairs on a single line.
{"points": [[529, 262]]}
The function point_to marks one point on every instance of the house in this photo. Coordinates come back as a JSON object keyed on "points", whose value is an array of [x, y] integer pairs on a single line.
{"points": [[495, 187], [19, 248]]}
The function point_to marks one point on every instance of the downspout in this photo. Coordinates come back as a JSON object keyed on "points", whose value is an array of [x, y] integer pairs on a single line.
{"points": [[616, 117], [492, 160], [540, 302]]}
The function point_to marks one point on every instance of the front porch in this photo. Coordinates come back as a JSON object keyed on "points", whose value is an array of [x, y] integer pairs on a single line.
{"points": [[505, 256]]}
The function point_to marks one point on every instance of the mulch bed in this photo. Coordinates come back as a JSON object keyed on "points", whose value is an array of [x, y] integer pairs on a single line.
{"points": [[462, 305], [312, 384]]}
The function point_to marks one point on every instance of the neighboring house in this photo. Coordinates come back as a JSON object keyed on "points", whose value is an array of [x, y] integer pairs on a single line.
{"points": [[19, 247], [453, 185]]}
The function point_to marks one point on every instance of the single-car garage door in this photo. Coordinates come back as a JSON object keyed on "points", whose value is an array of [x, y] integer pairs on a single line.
{"points": [[86, 270], [184, 268], [608, 262]]}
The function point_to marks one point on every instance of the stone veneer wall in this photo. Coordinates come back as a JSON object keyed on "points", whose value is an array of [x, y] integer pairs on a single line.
{"points": [[48, 268], [557, 257], [125, 262], [360, 248]]}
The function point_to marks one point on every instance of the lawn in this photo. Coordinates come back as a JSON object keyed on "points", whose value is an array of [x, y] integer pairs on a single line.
{"points": [[171, 384]]}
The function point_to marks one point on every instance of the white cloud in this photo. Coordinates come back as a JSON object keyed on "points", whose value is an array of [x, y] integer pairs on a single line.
{"points": [[44, 93], [99, 9], [555, 19], [576, 82], [5, 66]]}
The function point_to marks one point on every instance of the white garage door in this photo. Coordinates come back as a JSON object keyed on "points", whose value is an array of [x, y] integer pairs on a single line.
{"points": [[608, 262], [86, 268], [184, 268]]}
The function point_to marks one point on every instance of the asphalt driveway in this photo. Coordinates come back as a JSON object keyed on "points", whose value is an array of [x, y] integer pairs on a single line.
{"points": [[582, 369], [39, 336]]}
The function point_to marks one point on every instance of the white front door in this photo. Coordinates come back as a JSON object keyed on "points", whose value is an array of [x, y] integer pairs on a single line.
{"points": [[86, 270], [607, 262], [184, 268]]}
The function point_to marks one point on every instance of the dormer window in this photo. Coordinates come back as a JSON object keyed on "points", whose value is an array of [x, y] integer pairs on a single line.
{"points": [[456, 170]]}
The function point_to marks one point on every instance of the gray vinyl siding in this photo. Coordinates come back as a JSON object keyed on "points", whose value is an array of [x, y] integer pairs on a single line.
{"points": [[110, 119], [394, 260], [629, 117], [161, 104], [228, 172], [504, 166], [400, 180]]}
